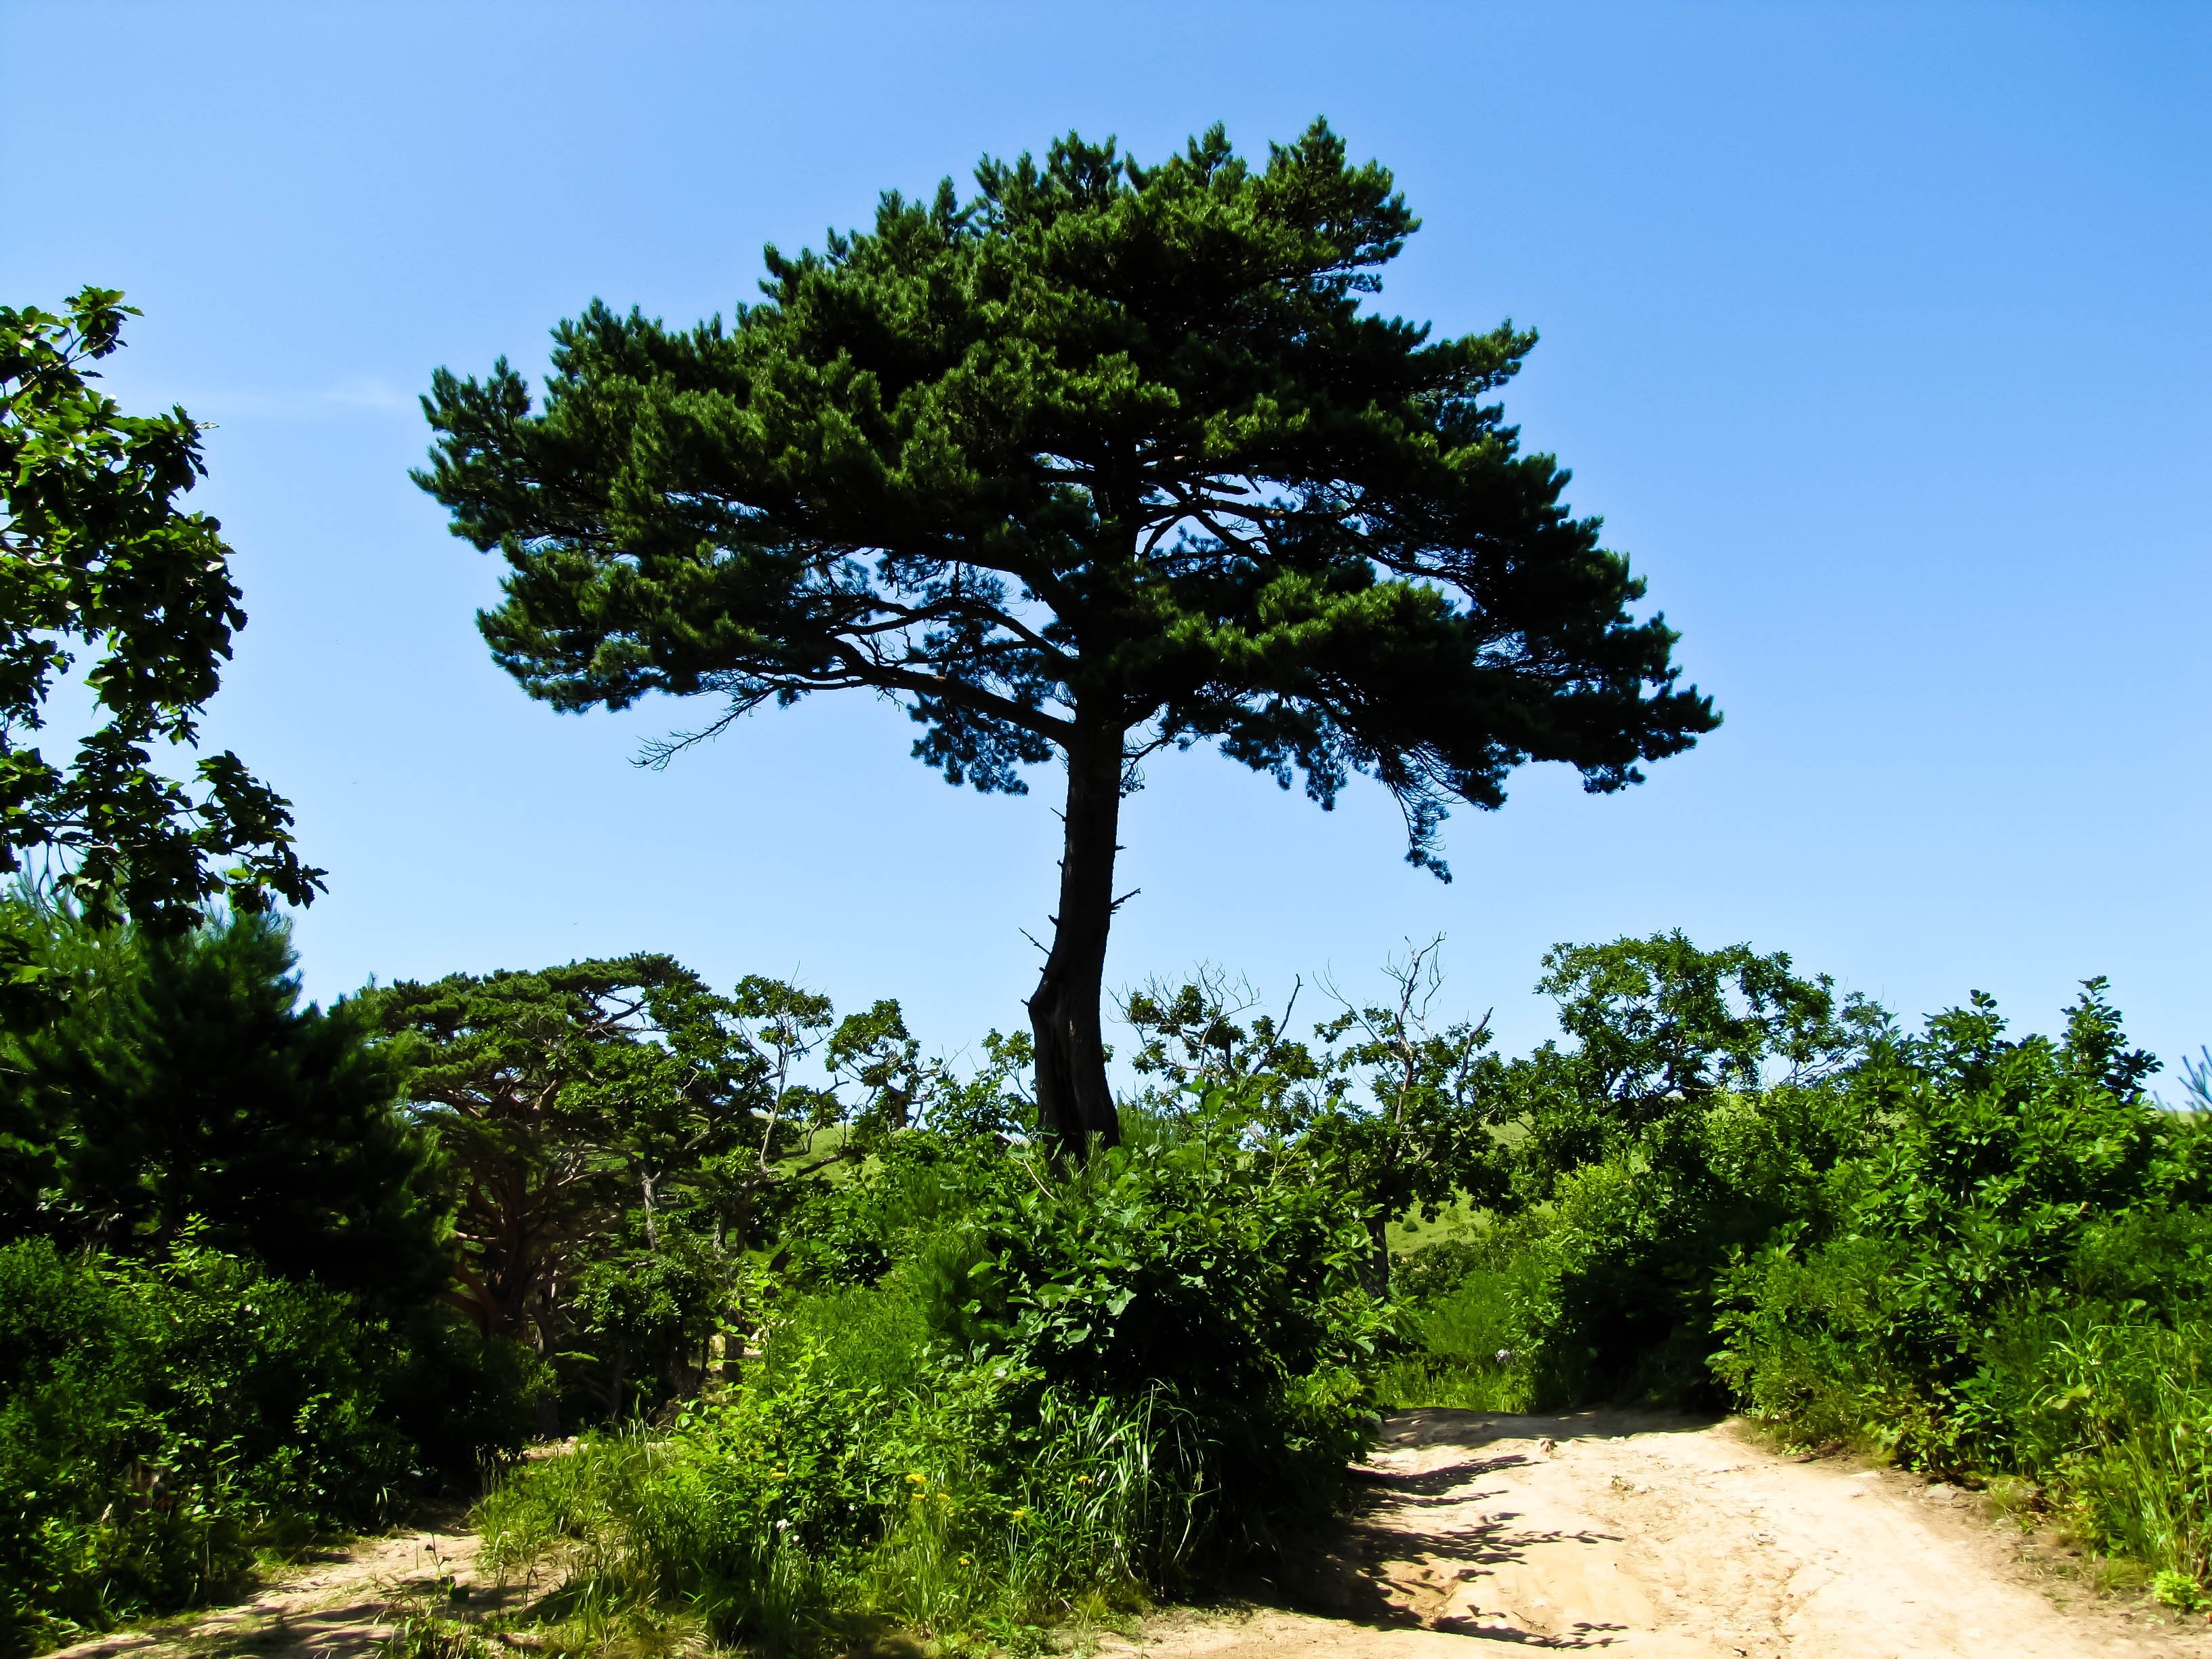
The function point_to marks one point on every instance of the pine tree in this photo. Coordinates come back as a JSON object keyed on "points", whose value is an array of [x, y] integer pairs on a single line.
{"points": [[1107, 459], [178, 1083]]}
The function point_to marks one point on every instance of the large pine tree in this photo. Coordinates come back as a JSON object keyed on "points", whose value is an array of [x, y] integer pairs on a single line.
{"points": [[1107, 459]]}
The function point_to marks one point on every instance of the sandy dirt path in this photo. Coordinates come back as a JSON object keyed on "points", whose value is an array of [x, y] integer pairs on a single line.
{"points": [[1638, 1536], [1608, 1533], [336, 1605]]}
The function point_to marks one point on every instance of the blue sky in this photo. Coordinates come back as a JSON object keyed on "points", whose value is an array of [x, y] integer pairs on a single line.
{"points": [[1879, 336]]}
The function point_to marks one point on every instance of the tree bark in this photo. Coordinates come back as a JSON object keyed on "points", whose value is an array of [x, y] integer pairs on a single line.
{"points": [[1075, 1107]]}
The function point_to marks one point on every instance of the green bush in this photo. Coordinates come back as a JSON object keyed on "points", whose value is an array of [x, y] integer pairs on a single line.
{"points": [[1469, 1299], [2000, 1181], [1608, 1289], [1225, 1286], [1061, 1390], [2009, 1277], [161, 1419], [1974, 1255]]}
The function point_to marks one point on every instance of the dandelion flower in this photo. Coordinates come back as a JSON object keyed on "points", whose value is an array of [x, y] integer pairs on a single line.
{"points": [[1082, 1480]]}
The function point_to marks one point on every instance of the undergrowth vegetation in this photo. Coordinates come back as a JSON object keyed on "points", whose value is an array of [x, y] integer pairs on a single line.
{"points": [[163, 1420], [854, 1355], [220, 1247], [993, 1397], [1979, 1257]]}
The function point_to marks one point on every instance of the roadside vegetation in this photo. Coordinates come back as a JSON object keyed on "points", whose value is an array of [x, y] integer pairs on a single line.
{"points": [[841, 1349], [1973, 1253]]}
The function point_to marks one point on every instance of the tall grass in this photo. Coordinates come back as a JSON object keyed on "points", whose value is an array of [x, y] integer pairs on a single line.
{"points": [[2121, 1428], [1471, 1302], [627, 1522], [1471, 1352], [1109, 1505]]}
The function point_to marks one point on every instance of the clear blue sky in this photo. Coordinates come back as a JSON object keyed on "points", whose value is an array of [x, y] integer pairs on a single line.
{"points": [[1879, 335]]}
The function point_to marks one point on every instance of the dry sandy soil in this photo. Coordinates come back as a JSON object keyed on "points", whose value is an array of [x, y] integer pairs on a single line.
{"points": [[336, 1605], [1639, 1535], [1598, 1532]]}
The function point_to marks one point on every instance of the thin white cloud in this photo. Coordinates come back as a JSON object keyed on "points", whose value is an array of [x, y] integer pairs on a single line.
{"points": [[362, 394], [368, 392]]}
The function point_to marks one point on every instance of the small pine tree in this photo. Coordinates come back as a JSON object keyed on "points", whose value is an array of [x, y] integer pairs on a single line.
{"points": [[179, 1083]]}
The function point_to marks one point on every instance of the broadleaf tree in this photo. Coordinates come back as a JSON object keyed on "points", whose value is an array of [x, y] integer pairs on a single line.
{"points": [[97, 556], [1105, 460], [1395, 1108], [1657, 1029]]}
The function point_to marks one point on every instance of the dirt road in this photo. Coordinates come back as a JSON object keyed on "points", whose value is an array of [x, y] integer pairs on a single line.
{"points": [[1635, 1536], [335, 1606], [1598, 1532]]}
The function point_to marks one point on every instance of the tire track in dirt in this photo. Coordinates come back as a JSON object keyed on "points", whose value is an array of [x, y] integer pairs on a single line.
{"points": [[1636, 1536]]}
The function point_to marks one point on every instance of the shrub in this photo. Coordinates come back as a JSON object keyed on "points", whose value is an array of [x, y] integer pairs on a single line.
{"points": [[160, 1419], [1061, 1390], [1997, 1179], [1469, 1299], [2008, 1278], [1973, 1255], [1223, 1286], [169, 1082]]}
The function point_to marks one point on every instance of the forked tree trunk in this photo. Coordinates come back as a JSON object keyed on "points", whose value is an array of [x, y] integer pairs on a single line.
{"points": [[1075, 1107]]}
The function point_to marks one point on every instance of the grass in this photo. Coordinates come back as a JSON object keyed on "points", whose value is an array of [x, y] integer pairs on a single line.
{"points": [[627, 1533], [1460, 1219], [1466, 1280]]}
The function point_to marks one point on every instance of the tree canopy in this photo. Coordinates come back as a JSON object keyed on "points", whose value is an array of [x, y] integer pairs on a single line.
{"points": [[95, 552], [1104, 460], [1658, 1029], [1395, 1107], [617, 1135]]}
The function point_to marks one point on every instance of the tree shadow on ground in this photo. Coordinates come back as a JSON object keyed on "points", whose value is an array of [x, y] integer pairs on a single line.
{"points": [[1431, 1425], [1402, 1574]]}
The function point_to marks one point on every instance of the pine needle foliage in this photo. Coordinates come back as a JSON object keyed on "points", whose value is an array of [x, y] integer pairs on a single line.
{"points": [[1106, 458]]}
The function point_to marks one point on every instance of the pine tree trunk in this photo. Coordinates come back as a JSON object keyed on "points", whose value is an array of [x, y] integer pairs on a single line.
{"points": [[1075, 1107]]}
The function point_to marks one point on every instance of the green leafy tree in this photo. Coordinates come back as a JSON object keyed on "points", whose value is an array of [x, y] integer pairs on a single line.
{"points": [[95, 554], [1410, 1119], [1394, 1106], [1105, 460], [1658, 1028], [559, 1099], [1972, 1285]]}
